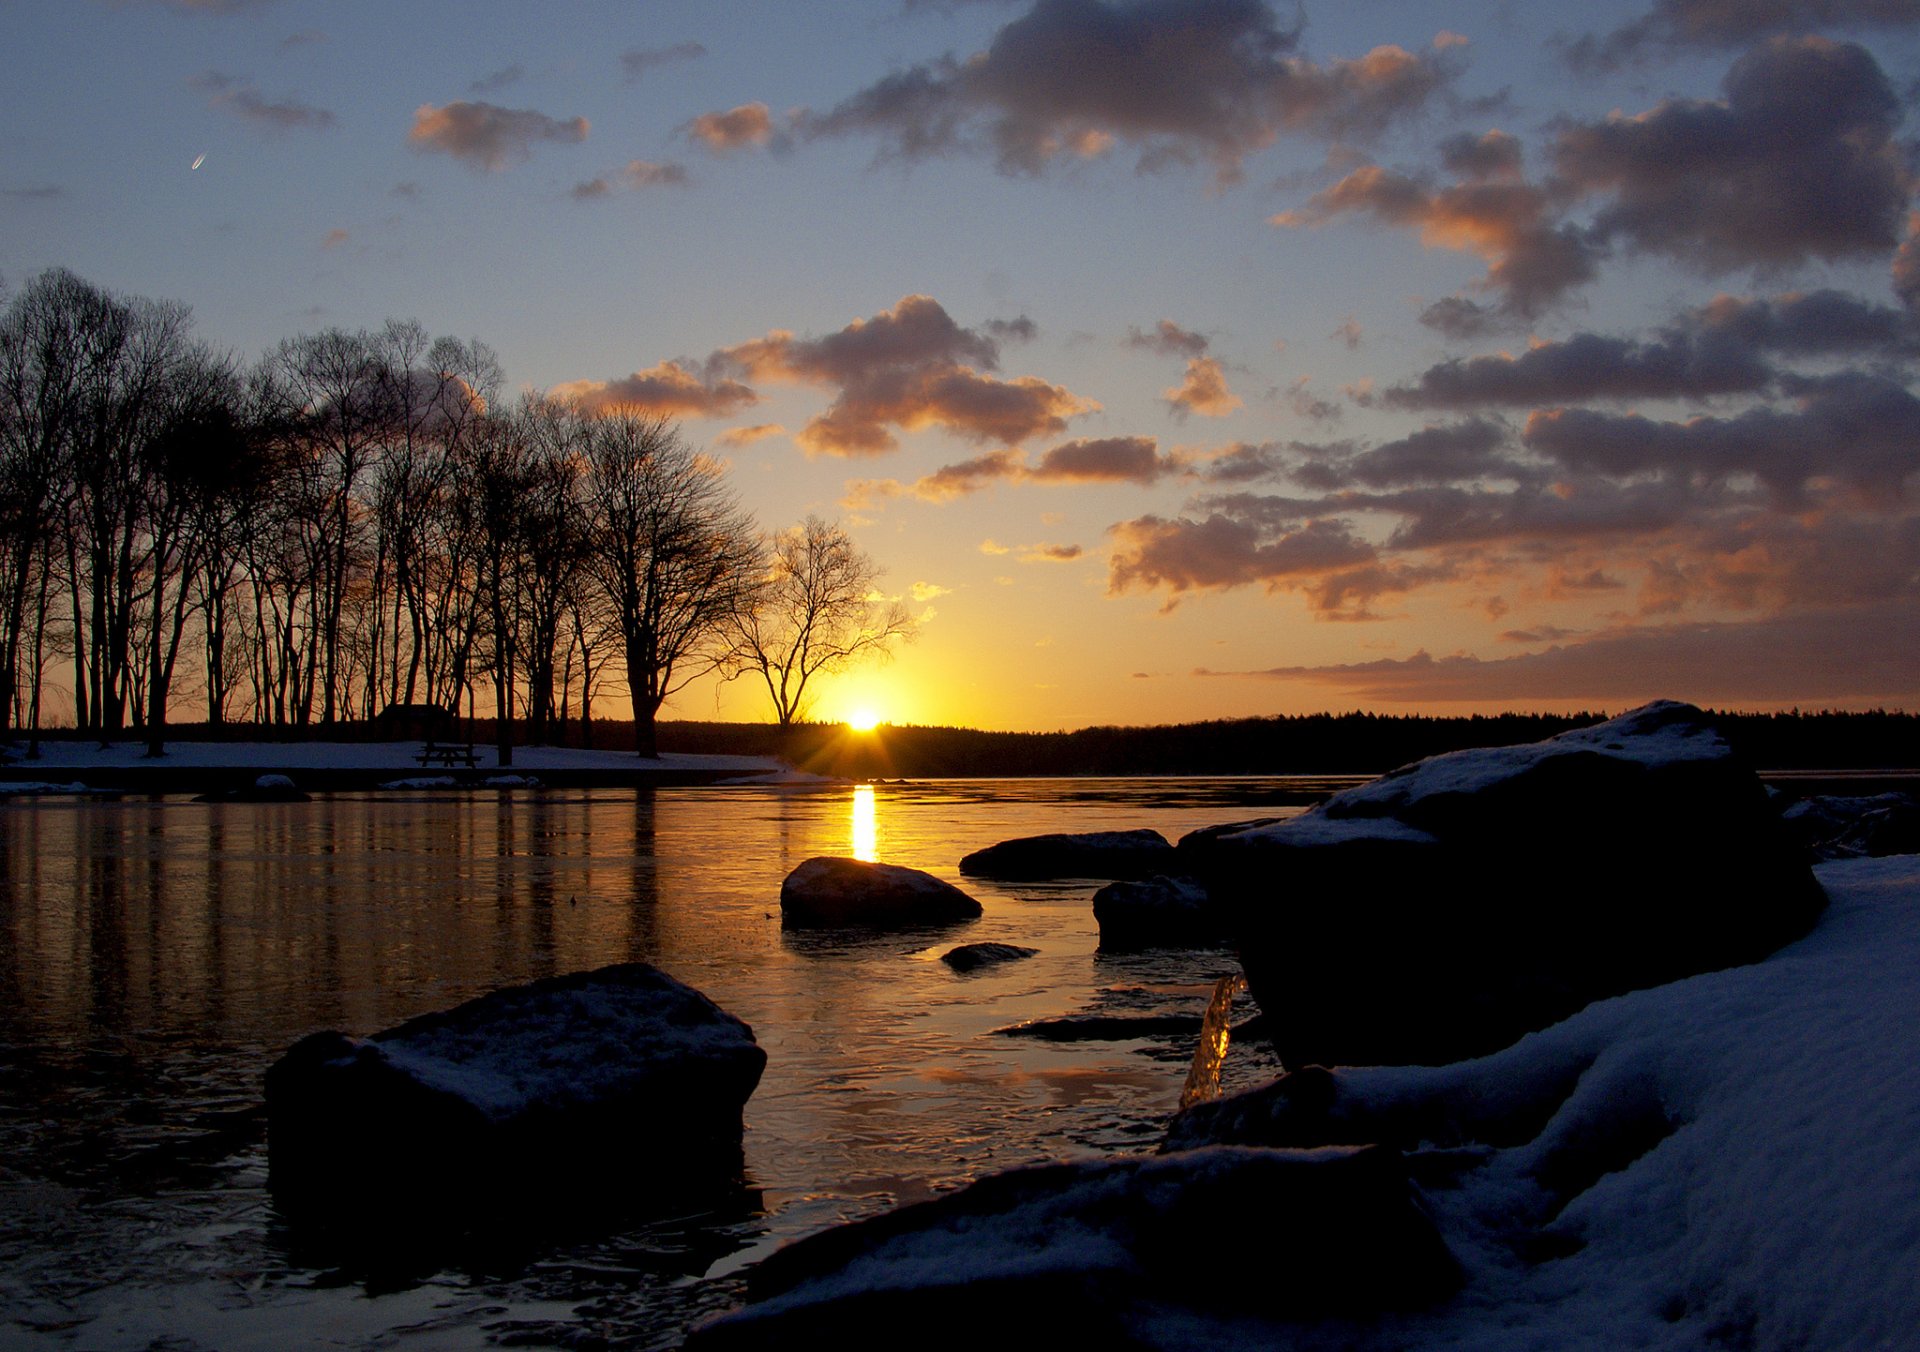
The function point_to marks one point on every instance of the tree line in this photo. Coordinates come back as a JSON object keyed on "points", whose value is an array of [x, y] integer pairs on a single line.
{"points": [[359, 520]]}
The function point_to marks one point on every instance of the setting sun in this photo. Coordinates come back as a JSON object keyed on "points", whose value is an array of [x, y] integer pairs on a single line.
{"points": [[863, 720]]}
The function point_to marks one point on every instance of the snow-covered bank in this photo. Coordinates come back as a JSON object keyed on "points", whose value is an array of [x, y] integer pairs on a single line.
{"points": [[1730, 1160], [67, 767]]}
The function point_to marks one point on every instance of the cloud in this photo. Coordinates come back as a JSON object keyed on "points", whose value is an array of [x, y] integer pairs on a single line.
{"points": [[636, 175], [1204, 391], [497, 80], [923, 592], [1178, 81], [1434, 455], [968, 476], [1219, 552], [668, 388], [1864, 653], [1135, 460], [241, 98], [1051, 553], [1532, 258], [1860, 430], [40, 192], [746, 436], [334, 239], [1169, 340], [1697, 25], [994, 548], [905, 368], [486, 136], [637, 61], [1799, 160], [744, 127]]}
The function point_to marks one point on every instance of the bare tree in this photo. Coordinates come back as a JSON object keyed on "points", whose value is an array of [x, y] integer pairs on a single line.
{"points": [[816, 610], [670, 548]]}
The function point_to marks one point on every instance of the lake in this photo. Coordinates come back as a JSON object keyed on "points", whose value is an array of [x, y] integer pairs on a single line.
{"points": [[156, 955]]}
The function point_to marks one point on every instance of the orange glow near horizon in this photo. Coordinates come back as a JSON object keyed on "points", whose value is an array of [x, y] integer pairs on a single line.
{"points": [[863, 720]]}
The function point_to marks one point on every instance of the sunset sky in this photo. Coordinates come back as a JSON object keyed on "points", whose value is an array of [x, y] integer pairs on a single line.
{"points": [[1175, 360]]}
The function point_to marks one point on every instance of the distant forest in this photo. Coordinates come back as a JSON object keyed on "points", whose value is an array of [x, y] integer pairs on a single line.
{"points": [[1308, 744]]}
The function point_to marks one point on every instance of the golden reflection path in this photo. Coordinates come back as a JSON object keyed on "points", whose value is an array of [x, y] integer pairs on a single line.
{"points": [[866, 825]]}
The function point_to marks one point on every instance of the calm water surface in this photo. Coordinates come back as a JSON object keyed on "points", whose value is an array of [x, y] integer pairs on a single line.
{"points": [[157, 955]]}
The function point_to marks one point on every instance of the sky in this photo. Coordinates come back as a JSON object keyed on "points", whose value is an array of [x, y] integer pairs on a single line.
{"points": [[1175, 359]]}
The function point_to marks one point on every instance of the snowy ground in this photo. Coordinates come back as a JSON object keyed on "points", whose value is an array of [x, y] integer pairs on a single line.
{"points": [[73, 766], [1727, 1161]]}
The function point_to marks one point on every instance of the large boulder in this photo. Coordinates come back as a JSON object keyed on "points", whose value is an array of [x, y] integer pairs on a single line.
{"points": [[1449, 907], [1157, 912], [829, 893], [574, 1093], [1091, 1253], [1085, 854]]}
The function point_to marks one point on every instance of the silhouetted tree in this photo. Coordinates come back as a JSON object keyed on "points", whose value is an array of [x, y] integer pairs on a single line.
{"points": [[816, 609]]}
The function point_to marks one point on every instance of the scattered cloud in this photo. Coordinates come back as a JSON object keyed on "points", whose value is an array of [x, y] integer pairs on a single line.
{"points": [[239, 97], [334, 238], [669, 388], [923, 592], [1179, 82], [495, 81], [746, 436], [40, 192], [1673, 26], [1135, 460], [994, 548], [1051, 553], [488, 137], [748, 126], [905, 368], [1204, 391], [635, 176], [1169, 340], [637, 61]]}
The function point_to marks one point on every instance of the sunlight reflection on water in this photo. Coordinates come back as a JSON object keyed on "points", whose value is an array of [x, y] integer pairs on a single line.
{"points": [[156, 955]]}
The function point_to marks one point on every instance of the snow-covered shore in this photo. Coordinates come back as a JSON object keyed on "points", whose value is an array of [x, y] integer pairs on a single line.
{"points": [[195, 767]]}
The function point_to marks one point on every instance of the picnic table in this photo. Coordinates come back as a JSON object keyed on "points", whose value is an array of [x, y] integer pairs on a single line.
{"points": [[448, 754]]}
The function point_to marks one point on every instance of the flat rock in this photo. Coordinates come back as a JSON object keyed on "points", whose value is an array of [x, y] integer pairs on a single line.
{"points": [[1085, 1254], [830, 892], [1086, 854], [601, 1087], [972, 957], [1446, 909]]}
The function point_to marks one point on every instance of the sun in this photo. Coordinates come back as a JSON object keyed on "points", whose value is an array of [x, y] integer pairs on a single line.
{"points": [[863, 720]]}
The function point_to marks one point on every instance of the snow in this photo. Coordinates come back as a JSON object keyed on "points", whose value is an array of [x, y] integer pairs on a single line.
{"points": [[22, 788], [1780, 1210]]}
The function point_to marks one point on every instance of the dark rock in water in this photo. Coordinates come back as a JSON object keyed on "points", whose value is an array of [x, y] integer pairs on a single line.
{"points": [[1088, 1254], [579, 1093], [1446, 909], [1105, 1027], [971, 957], [1088, 854], [827, 892], [1157, 912], [1839, 826], [265, 789]]}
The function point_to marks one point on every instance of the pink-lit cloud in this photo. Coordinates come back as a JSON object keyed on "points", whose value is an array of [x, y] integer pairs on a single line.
{"points": [[668, 388], [488, 137], [1203, 391]]}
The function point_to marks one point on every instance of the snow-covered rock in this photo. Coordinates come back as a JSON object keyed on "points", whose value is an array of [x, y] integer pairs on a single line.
{"points": [[828, 892], [1446, 908], [1732, 1160], [1086, 854], [972, 957], [1157, 911], [1844, 826], [1093, 1253], [571, 1093]]}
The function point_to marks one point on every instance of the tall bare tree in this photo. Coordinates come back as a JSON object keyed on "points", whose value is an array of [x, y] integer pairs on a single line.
{"points": [[817, 609], [672, 550]]}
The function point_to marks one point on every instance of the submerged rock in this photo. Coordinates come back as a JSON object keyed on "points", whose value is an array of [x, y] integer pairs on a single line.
{"points": [[574, 1093], [1092, 1253], [829, 892], [1157, 912], [1088, 854], [265, 789], [1447, 908], [971, 957]]}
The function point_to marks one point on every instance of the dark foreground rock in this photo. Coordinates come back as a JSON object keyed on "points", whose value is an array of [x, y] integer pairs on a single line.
{"points": [[1841, 826], [972, 957], [597, 1090], [1087, 854], [828, 892], [265, 789], [1158, 912], [1091, 1253], [1447, 908]]}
